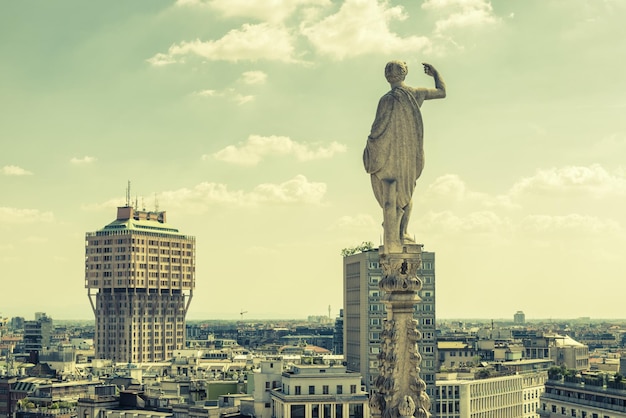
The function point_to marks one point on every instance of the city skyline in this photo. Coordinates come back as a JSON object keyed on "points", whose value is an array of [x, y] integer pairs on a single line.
{"points": [[246, 124]]}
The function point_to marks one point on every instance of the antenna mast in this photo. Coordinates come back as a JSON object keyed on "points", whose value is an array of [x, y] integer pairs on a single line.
{"points": [[128, 194]]}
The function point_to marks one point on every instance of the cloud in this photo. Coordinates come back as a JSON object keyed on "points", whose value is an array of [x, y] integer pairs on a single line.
{"points": [[594, 181], [23, 216], [461, 13], [362, 27], [571, 222], [257, 147], [13, 170], [229, 94], [295, 191], [266, 10], [254, 77], [451, 187], [473, 222], [359, 221], [199, 198], [84, 160], [250, 43]]}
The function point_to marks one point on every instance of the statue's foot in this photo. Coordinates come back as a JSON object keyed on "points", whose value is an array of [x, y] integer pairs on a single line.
{"points": [[408, 239]]}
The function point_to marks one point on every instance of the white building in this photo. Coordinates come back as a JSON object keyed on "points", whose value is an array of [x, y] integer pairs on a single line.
{"points": [[591, 399], [513, 396], [319, 391], [263, 381]]}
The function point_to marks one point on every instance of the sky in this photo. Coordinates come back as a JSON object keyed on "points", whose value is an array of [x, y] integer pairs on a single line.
{"points": [[246, 122]]}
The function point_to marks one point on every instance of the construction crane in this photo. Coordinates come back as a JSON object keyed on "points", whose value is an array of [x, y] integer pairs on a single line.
{"points": [[241, 313]]}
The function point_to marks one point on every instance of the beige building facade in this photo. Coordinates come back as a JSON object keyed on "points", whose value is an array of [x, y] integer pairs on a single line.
{"points": [[364, 314], [140, 276], [513, 396], [320, 392]]}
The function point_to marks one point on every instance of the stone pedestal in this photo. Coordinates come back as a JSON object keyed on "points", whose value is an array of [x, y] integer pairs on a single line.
{"points": [[400, 390]]}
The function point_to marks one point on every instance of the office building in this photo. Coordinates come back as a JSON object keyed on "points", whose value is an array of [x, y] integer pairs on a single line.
{"points": [[364, 313], [519, 318], [319, 391], [512, 396], [37, 333], [583, 398], [140, 276]]}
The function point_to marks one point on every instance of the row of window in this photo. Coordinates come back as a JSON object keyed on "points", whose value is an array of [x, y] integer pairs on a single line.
{"points": [[140, 241], [325, 389]]}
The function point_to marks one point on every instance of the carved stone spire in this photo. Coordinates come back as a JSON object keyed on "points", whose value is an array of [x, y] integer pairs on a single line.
{"points": [[400, 390]]}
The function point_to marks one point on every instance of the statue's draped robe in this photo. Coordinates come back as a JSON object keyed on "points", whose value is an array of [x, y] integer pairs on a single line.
{"points": [[395, 150]]}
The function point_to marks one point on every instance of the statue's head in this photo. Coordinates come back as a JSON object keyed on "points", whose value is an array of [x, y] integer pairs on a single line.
{"points": [[395, 71]]}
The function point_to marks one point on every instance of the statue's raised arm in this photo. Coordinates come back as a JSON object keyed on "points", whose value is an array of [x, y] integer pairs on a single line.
{"points": [[394, 154], [439, 92]]}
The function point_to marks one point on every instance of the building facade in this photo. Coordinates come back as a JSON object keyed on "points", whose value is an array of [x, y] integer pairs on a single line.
{"points": [[364, 313], [37, 333], [140, 276], [320, 392], [562, 349], [513, 396], [583, 400]]}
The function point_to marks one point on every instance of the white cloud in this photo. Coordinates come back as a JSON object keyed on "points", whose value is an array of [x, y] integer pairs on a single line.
{"points": [[256, 147], [197, 199], [452, 188], [473, 222], [572, 222], [200, 197], [359, 221], [13, 170], [362, 27], [250, 43], [266, 10], [23, 216], [461, 13], [254, 77], [229, 94], [593, 181], [84, 160]]}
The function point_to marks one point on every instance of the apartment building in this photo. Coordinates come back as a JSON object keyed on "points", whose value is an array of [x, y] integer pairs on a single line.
{"points": [[140, 276], [364, 313]]}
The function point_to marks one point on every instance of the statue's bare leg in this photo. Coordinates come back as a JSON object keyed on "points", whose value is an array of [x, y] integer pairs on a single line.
{"points": [[392, 217], [404, 223]]}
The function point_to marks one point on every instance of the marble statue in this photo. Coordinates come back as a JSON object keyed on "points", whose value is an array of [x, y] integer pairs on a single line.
{"points": [[394, 154]]}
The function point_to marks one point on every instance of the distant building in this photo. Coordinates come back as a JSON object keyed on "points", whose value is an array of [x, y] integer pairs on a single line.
{"points": [[319, 391], [262, 382], [519, 318], [140, 276], [515, 395], [8, 402], [364, 313], [37, 333], [562, 349], [595, 398], [338, 334]]}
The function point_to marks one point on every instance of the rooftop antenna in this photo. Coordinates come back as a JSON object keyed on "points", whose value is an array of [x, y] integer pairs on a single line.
{"points": [[156, 203], [143, 204], [128, 194], [136, 203], [328, 311]]}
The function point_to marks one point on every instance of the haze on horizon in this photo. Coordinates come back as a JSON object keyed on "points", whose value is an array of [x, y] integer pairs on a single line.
{"points": [[247, 124]]}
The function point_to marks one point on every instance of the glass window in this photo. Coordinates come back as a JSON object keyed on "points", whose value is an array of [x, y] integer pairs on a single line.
{"points": [[297, 411]]}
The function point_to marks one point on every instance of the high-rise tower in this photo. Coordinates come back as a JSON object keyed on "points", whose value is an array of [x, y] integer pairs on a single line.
{"points": [[140, 276], [365, 313]]}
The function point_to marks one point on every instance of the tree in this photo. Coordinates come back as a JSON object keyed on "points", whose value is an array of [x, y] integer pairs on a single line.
{"points": [[365, 246]]}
